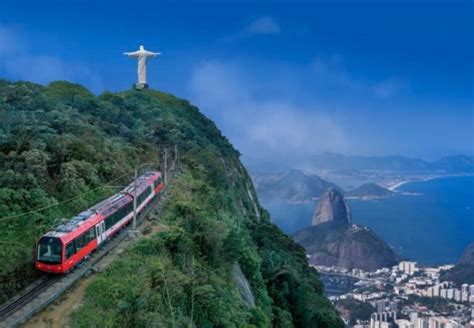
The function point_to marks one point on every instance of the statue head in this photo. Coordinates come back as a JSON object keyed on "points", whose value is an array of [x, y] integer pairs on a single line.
{"points": [[142, 48]]}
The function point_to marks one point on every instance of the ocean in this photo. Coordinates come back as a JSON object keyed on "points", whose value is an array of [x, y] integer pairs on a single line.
{"points": [[432, 227]]}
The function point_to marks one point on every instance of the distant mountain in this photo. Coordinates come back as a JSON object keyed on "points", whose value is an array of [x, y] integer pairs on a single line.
{"points": [[347, 246], [467, 257], [463, 271], [332, 207], [333, 241], [290, 185], [333, 161], [459, 163], [369, 190]]}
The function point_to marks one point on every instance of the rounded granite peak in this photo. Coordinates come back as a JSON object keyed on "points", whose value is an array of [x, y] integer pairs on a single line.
{"points": [[332, 207]]}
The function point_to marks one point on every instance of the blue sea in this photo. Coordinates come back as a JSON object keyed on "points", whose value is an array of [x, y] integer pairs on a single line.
{"points": [[432, 227]]}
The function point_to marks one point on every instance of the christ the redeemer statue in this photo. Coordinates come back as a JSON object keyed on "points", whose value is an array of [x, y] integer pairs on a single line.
{"points": [[142, 56]]}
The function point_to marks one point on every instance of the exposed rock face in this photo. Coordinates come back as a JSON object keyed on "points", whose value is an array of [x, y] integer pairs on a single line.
{"points": [[332, 207], [346, 246], [243, 286], [333, 241], [468, 256]]}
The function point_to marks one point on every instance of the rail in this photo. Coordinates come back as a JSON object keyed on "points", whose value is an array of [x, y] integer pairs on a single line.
{"points": [[48, 288]]}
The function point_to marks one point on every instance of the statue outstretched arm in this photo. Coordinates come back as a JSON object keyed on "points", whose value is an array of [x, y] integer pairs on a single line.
{"points": [[132, 54], [152, 54]]}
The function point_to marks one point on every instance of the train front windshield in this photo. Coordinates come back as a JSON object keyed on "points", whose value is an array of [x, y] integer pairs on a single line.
{"points": [[49, 250]]}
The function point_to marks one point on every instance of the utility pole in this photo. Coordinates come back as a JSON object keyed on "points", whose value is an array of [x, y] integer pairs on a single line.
{"points": [[165, 174], [135, 202]]}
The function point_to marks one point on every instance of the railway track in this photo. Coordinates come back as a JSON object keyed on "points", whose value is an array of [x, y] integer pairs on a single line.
{"points": [[27, 295], [48, 288]]}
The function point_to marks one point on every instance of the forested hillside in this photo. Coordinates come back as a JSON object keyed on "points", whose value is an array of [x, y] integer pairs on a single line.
{"points": [[62, 149]]}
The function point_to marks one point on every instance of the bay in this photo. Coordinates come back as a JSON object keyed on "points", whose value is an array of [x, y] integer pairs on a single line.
{"points": [[432, 227]]}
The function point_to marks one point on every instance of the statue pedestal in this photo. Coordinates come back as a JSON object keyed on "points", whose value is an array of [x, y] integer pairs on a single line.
{"points": [[140, 86]]}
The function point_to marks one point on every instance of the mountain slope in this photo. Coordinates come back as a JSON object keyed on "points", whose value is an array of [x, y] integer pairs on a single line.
{"points": [[467, 257], [333, 241], [219, 262], [463, 271], [449, 164], [459, 163], [333, 161], [346, 246], [290, 185], [369, 190]]}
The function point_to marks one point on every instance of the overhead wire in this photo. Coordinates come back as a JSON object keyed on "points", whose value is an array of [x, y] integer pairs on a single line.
{"points": [[70, 199]]}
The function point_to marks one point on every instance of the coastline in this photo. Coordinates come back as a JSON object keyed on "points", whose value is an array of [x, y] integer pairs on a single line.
{"points": [[401, 183]]}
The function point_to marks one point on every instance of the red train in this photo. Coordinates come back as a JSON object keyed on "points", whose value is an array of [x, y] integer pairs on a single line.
{"points": [[68, 244]]}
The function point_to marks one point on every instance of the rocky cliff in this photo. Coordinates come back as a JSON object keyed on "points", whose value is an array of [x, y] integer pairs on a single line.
{"points": [[333, 241], [332, 207], [345, 246]]}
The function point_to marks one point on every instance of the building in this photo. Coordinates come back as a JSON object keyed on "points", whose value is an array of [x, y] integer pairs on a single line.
{"points": [[407, 267], [450, 293], [443, 293], [402, 323], [383, 320], [380, 306], [464, 296], [457, 295]]}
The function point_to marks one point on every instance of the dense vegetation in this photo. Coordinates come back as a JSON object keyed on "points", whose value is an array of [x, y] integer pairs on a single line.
{"points": [[62, 148], [459, 274], [354, 310]]}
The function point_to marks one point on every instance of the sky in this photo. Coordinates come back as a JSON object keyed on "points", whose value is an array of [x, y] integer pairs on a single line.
{"points": [[284, 81]]}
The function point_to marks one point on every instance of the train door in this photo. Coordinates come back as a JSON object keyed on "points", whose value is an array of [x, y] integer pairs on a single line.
{"points": [[100, 232]]}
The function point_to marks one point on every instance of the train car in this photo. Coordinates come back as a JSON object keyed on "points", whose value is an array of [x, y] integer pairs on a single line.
{"points": [[60, 250]]}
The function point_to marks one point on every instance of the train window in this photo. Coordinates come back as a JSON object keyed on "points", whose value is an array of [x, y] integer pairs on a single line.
{"points": [[143, 195], [70, 250], [108, 222], [118, 215], [50, 250], [80, 242], [90, 234], [85, 238]]}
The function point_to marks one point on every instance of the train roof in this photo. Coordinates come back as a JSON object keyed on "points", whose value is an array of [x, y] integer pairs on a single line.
{"points": [[71, 228]]}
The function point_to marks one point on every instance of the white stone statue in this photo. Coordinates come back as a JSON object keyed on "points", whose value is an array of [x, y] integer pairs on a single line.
{"points": [[142, 56]]}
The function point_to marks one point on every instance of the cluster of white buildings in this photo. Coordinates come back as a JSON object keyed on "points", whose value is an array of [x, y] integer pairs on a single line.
{"points": [[407, 278], [431, 322], [428, 284], [388, 319]]}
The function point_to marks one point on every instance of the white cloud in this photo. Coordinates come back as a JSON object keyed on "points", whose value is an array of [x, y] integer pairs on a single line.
{"points": [[262, 129], [19, 62], [264, 25], [332, 71]]}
